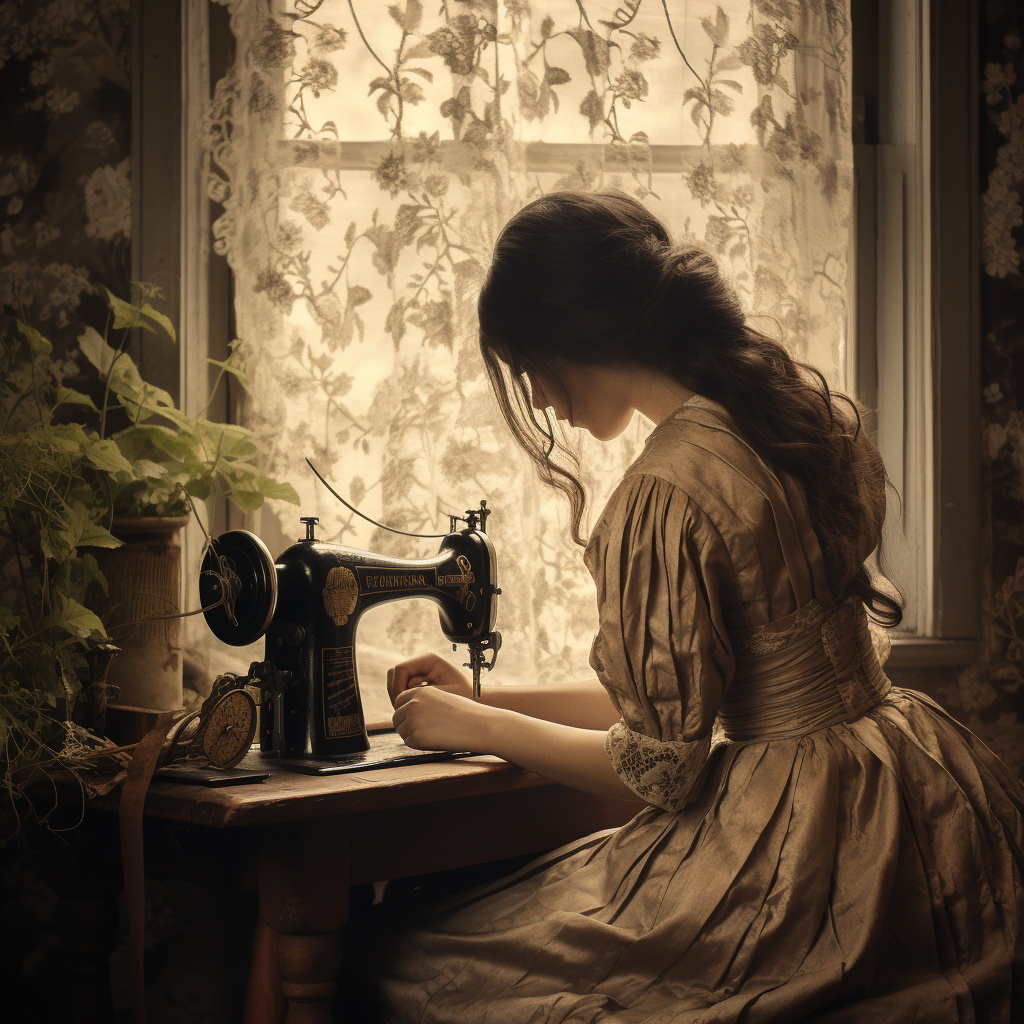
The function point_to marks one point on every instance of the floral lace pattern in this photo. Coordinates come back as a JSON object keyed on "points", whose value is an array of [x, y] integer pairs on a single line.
{"points": [[769, 641], [358, 263], [661, 772]]}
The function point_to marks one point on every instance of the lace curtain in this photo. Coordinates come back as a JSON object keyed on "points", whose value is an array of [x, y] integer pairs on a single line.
{"points": [[366, 159]]}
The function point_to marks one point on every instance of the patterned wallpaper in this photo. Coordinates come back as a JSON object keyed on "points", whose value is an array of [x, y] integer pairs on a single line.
{"points": [[65, 192], [988, 695], [65, 230]]}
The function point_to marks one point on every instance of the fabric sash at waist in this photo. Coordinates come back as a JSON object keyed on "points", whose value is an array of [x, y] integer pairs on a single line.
{"points": [[813, 669]]}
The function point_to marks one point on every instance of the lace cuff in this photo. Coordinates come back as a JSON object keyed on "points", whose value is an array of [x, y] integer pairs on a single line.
{"points": [[661, 773]]}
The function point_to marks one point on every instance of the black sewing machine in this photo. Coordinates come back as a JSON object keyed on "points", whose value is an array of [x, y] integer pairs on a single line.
{"points": [[307, 604]]}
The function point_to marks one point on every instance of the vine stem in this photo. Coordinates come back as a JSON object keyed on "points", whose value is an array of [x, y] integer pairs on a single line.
{"points": [[21, 572], [398, 84], [359, 29], [106, 389], [668, 18]]}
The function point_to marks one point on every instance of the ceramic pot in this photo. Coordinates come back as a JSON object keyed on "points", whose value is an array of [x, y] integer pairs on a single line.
{"points": [[144, 578]]}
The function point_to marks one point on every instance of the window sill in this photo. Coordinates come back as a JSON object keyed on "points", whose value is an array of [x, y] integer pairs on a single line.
{"points": [[930, 652]]}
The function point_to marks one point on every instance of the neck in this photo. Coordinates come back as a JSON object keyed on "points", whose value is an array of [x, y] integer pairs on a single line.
{"points": [[655, 395]]}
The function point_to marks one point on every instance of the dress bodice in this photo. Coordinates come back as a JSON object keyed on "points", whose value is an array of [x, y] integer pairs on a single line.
{"points": [[715, 604]]}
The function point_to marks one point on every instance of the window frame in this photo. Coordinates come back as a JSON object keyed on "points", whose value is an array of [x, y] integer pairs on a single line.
{"points": [[917, 305], [915, 157]]}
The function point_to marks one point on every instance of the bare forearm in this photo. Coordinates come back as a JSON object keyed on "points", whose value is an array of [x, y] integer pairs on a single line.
{"points": [[572, 756], [585, 705]]}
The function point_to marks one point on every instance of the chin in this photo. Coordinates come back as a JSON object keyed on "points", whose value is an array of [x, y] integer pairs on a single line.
{"points": [[610, 431], [605, 433]]}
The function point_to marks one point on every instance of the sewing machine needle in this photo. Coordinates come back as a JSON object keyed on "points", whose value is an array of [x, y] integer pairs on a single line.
{"points": [[476, 658]]}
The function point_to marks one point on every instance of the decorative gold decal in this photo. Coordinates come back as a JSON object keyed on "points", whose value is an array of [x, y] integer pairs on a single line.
{"points": [[467, 598], [341, 591], [341, 697]]}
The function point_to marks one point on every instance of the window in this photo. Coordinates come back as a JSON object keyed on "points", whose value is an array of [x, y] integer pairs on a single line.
{"points": [[916, 357], [914, 351]]}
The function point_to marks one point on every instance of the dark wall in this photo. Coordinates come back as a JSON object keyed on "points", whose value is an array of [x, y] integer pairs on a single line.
{"points": [[65, 162], [989, 695]]}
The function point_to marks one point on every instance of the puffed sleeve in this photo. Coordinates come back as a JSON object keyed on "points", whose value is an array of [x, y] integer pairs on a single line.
{"points": [[662, 650]]}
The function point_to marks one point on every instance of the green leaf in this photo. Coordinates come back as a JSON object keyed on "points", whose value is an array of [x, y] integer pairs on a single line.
{"points": [[225, 439], [133, 441], [76, 619], [125, 314], [96, 350], [38, 345], [107, 456], [160, 318], [69, 437], [247, 501], [149, 290], [68, 396], [8, 620], [199, 486], [91, 570], [148, 468], [273, 490], [95, 536], [134, 393], [234, 364]]}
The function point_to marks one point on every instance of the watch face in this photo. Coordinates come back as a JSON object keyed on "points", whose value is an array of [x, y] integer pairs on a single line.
{"points": [[230, 729]]}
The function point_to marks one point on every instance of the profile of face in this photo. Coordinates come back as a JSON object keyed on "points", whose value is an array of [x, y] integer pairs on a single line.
{"points": [[591, 397]]}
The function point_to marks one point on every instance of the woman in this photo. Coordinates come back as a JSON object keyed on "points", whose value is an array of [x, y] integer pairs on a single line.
{"points": [[842, 850]]}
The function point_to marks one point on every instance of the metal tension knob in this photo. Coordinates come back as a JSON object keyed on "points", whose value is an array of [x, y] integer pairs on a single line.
{"points": [[310, 522]]}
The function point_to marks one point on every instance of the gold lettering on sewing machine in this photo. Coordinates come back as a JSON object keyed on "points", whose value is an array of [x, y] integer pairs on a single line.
{"points": [[341, 701], [341, 591], [463, 580], [395, 582], [373, 581]]}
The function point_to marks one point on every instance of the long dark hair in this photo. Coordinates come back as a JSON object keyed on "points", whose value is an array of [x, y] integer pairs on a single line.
{"points": [[593, 278]]}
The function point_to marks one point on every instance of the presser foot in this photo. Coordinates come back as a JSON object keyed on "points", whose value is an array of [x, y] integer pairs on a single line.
{"points": [[477, 648]]}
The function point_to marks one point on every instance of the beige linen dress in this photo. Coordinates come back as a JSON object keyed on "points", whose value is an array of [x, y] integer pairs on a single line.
{"points": [[842, 852]]}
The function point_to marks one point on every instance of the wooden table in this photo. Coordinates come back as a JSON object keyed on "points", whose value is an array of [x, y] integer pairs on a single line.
{"points": [[301, 841]]}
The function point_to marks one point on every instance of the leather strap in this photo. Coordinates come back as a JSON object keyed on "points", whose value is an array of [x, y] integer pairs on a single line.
{"points": [[133, 800]]}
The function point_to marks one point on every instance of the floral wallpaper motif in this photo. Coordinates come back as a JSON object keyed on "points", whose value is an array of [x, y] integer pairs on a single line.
{"points": [[357, 264], [65, 229], [65, 194], [989, 695]]}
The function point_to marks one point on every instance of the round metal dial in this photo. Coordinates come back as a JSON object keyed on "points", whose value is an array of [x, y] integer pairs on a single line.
{"points": [[229, 729]]}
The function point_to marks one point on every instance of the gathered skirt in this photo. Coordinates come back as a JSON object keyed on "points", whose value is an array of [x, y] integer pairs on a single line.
{"points": [[869, 871]]}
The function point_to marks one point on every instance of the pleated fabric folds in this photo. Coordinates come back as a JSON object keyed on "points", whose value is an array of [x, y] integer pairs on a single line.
{"points": [[867, 869]]}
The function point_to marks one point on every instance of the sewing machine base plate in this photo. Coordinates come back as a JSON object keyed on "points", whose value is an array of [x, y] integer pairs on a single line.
{"points": [[386, 751]]}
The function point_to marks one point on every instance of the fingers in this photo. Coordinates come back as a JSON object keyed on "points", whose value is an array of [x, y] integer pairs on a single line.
{"points": [[403, 698], [404, 718], [410, 673]]}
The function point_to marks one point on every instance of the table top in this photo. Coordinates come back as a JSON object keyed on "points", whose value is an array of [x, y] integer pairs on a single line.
{"points": [[287, 796]]}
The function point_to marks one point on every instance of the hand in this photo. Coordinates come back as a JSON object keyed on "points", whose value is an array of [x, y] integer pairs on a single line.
{"points": [[427, 669], [432, 718]]}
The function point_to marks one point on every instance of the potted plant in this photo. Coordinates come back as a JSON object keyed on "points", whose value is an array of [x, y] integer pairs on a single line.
{"points": [[80, 479]]}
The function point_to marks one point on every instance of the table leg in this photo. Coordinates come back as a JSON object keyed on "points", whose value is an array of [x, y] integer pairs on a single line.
{"points": [[304, 896], [309, 967]]}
